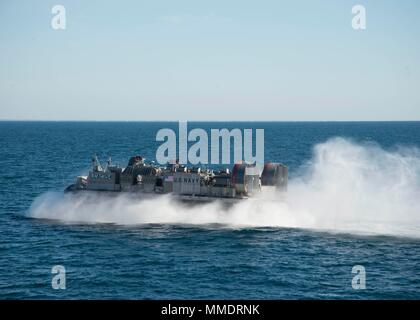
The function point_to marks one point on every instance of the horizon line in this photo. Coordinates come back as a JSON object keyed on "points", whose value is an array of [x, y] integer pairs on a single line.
{"points": [[90, 120]]}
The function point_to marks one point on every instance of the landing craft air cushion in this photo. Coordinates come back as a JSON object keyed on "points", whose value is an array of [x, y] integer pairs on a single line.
{"points": [[184, 183]]}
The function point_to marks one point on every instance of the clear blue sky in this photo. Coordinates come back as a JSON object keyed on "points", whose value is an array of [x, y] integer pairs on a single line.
{"points": [[210, 60]]}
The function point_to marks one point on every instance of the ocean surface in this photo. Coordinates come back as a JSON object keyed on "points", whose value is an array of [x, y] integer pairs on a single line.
{"points": [[353, 199]]}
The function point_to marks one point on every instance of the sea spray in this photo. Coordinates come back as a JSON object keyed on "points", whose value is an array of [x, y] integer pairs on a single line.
{"points": [[345, 187]]}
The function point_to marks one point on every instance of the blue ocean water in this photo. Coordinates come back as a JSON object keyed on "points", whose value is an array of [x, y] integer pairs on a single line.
{"points": [[182, 257]]}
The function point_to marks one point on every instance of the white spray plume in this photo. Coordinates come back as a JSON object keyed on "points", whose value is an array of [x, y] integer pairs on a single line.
{"points": [[346, 187]]}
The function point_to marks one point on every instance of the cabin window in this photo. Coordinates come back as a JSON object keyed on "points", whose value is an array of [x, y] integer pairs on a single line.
{"points": [[159, 182]]}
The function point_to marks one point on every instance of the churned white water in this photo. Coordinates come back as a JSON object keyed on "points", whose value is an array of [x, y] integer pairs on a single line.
{"points": [[345, 187]]}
